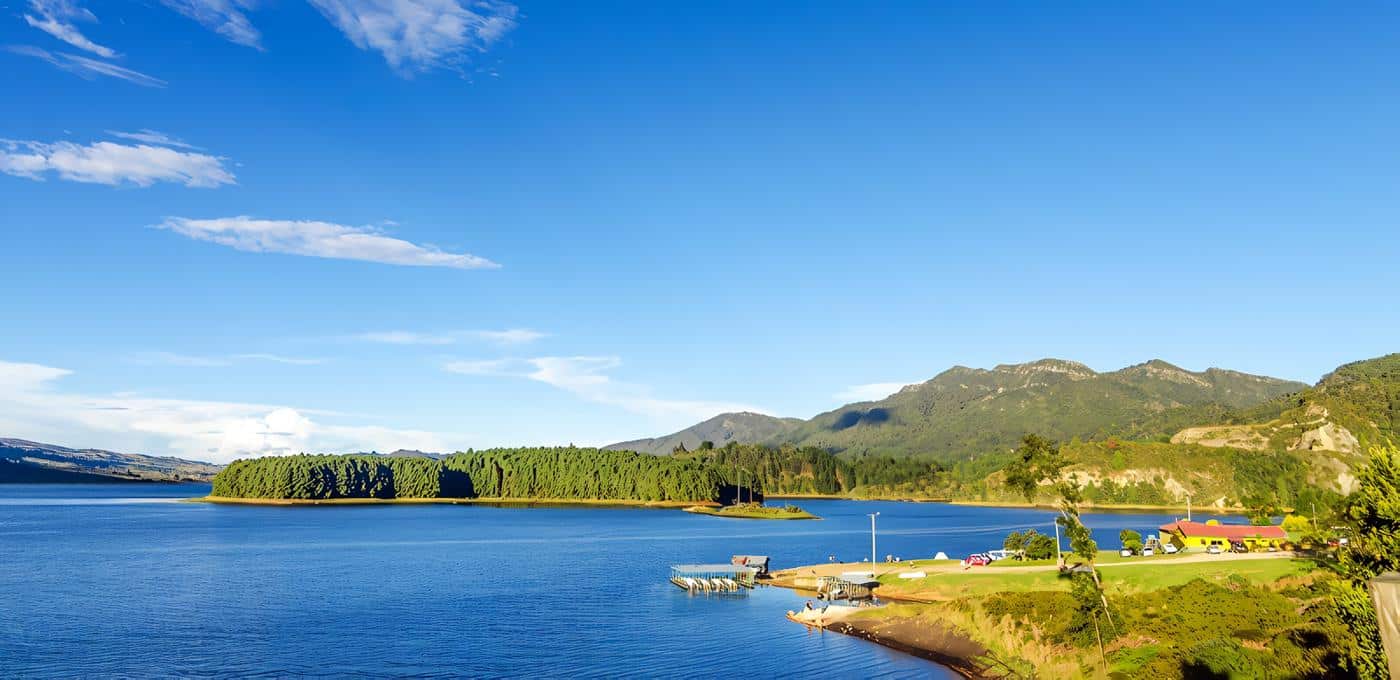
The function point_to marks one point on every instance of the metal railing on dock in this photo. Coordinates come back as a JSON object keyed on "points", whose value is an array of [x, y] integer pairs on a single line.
{"points": [[713, 578], [845, 588]]}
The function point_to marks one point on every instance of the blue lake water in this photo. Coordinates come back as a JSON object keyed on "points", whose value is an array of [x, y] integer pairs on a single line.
{"points": [[125, 580]]}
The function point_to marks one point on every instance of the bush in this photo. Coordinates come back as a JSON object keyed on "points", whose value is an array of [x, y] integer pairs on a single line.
{"points": [[1031, 545], [1295, 524], [1132, 540], [1040, 546]]}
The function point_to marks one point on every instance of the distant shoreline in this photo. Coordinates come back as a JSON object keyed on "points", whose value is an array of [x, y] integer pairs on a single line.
{"points": [[1090, 507], [600, 502]]}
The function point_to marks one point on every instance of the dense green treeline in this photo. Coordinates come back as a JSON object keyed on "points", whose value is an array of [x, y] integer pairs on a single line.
{"points": [[789, 469], [564, 473], [326, 476], [585, 473]]}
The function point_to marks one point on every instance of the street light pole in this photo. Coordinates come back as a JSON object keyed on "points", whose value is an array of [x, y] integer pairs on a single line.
{"points": [[873, 515], [1058, 559]]}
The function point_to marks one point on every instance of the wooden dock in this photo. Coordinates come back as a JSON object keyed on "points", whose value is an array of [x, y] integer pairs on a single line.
{"points": [[719, 579]]}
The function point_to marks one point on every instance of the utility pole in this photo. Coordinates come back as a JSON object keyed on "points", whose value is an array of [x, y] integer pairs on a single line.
{"points": [[1188, 507], [1314, 514], [873, 515], [1058, 559]]}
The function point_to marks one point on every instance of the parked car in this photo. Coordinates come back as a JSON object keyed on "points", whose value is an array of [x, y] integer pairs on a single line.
{"points": [[1170, 549], [1124, 552], [978, 560], [1000, 554], [1238, 547], [1213, 549], [1147, 552]]}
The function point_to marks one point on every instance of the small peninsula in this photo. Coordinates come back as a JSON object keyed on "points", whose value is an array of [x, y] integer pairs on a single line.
{"points": [[753, 511]]}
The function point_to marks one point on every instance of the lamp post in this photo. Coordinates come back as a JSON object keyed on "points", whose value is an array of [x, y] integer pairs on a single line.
{"points": [[873, 515]]}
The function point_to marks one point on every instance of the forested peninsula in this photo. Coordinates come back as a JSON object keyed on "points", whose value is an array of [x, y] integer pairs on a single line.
{"points": [[560, 473]]}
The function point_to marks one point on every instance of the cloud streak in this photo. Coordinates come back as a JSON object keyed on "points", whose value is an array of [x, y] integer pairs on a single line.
{"points": [[56, 17], [85, 67], [587, 377], [510, 336], [319, 239], [224, 17], [193, 361], [32, 406], [418, 35], [147, 136], [112, 163]]}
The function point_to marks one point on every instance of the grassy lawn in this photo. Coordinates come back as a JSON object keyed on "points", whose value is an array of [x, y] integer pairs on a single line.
{"points": [[1117, 580], [1105, 557], [753, 511]]}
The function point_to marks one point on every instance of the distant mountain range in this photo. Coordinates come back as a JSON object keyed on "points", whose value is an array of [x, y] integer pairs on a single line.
{"points": [[26, 461], [968, 411]]}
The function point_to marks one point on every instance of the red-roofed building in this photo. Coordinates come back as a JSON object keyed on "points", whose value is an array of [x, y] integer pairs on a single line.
{"points": [[1186, 534]]}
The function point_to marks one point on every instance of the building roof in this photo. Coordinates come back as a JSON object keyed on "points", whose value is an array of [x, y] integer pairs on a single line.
{"points": [[1224, 530]]}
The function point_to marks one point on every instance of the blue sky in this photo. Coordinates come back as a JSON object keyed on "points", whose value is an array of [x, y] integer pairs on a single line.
{"points": [[234, 228]]}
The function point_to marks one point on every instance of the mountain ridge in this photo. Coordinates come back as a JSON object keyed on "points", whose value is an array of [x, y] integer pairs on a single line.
{"points": [[22, 460], [965, 411]]}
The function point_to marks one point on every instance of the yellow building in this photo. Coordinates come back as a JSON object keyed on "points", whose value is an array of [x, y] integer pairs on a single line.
{"points": [[1201, 535]]}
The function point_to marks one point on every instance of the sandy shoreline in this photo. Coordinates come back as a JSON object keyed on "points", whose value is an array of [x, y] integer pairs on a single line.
{"points": [[941, 644]]}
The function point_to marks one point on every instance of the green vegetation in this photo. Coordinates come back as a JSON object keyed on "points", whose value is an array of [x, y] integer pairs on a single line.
{"points": [[965, 413], [1131, 540], [754, 511], [1029, 545], [1363, 397], [553, 473], [1373, 514], [789, 470]]}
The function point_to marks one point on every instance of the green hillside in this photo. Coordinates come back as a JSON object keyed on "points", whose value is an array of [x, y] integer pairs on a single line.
{"points": [[965, 412], [719, 430]]}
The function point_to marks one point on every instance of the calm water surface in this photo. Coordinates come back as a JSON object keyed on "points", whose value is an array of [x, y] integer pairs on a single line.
{"points": [[125, 580]]}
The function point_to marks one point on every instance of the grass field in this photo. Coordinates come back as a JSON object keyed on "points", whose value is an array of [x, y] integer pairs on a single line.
{"points": [[1120, 580]]}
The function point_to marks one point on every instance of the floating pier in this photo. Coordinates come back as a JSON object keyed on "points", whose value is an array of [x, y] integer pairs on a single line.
{"points": [[720, 579]]}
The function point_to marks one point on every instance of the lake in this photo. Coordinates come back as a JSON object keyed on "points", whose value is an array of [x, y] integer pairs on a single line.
{"points": [[127, 580]]}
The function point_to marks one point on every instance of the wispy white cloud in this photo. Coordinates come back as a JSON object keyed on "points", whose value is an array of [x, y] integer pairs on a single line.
{"points": [[510, 336], [870, 391], [417, 35], [319, 239], [32, 406], [16, 377], [147, 136], [85, 67], [175, 359], [56, 17], [587, 377], [279, 359], [112, 163], [194, 361], [225, 17]]}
